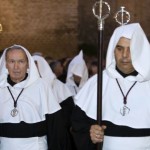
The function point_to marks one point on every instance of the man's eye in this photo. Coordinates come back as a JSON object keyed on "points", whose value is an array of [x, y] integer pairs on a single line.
{"points": [[119, 48], [21, 61], [11, 61]]}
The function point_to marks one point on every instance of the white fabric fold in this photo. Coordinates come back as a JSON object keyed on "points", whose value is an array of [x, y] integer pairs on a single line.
{"points": [[60, 90]]}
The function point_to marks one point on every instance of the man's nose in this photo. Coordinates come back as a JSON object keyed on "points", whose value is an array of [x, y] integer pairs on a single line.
{"points": [[16, 65], [125, 53]]}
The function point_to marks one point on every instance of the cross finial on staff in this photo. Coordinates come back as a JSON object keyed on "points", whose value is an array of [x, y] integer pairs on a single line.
{"points": [[122, 16], [98, 13]]}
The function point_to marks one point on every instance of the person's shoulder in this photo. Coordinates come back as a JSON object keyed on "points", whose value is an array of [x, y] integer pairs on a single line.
{"points": [[41, 83], [57, 81], [105, 75], [93, 78]]}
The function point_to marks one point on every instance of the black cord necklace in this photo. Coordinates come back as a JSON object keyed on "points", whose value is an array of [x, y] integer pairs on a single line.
{"points": [[125, 110], [14, 112]]}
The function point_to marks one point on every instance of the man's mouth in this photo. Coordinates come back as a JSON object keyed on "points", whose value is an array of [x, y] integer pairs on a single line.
{"points": [[16, 72], [125, 62]]}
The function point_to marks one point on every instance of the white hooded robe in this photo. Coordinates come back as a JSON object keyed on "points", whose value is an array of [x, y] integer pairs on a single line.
{"points": [[138, 100], [34, 103]]}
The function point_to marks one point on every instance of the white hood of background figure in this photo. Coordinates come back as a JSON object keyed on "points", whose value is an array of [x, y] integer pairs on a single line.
{"points": [[78, 67]]}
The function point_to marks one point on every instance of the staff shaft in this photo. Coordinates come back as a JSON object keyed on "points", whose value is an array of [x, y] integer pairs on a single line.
{"points": [[99, 81]]}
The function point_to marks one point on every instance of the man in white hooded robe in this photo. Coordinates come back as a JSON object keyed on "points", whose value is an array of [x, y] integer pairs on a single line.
{"points": [[77, 73], [60, 90], [30, 116], [125, 96]]}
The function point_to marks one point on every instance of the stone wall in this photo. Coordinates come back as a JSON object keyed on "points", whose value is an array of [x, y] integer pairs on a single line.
{"points": [[60, 28], [48, 26]]}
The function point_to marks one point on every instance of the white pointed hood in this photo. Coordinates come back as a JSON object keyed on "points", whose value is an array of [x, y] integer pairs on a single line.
{"points": [[78, 67], [139, 48], [60, 90], [33, 74], [44, 69]]}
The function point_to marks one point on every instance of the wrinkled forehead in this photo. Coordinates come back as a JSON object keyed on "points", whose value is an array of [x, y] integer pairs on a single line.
{"points": [[15, 48]]}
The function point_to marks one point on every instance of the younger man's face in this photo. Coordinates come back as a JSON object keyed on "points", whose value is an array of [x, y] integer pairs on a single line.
{"points": [[123, 56]]}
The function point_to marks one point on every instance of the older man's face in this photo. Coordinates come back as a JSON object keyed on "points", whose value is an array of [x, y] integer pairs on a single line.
{"points": [[123, 57], [17, 64]]}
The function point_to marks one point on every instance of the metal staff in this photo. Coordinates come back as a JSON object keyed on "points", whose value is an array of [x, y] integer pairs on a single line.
{"points": [[101, 18]]}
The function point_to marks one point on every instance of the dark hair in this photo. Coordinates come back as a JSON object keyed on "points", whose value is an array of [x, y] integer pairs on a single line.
{"points": [[14, 48], [94, 63], [53, 64]]}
